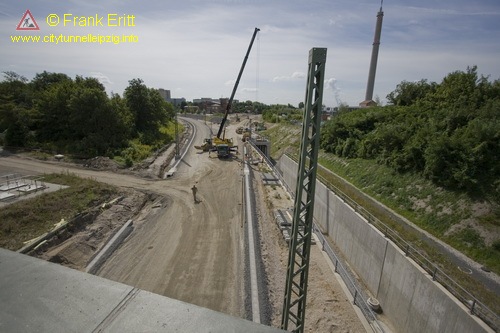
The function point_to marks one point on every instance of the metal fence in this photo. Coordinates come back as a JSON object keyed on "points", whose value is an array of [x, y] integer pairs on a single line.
{"points": [[360, 299], [475, 306], [13, 186]]}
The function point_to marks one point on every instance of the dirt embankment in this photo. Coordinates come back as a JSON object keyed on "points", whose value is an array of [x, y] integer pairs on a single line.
{"points": [[87, 233]]}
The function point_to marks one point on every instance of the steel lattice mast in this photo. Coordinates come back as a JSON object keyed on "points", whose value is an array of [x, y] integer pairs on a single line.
{"points": [[294, 304]]}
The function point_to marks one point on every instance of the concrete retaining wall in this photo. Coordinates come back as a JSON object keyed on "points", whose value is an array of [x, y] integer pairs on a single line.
{"points": [[408, 296], [109, 248]]}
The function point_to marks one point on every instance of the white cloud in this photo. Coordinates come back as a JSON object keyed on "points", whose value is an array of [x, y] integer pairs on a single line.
{"points": [[195, 48], [251, 90], [101, 77], [295, 75]]}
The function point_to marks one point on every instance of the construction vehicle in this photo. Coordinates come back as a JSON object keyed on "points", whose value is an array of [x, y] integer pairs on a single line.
{"points": [[219, 143], [260, 126], [206, 146], [247, 134]]}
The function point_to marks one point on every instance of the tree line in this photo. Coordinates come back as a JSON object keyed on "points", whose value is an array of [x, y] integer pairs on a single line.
{"points": [[56, 113], [449, 132]]}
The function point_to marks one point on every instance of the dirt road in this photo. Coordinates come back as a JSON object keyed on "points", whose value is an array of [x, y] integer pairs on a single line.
{"points": [[194, 251], [181, 249], [186, 250]]}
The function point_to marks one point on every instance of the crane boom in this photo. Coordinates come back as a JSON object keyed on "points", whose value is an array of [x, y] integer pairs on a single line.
{"points": [[230, 102]]}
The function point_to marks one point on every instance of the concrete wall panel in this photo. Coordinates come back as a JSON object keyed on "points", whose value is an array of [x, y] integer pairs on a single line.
{"points": [[416, 304], [408, 296], [322, 206]]}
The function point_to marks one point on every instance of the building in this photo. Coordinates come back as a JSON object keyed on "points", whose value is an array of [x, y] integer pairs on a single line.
{"points": [[167, 97], [178, 101], [165, 94], [212, 105]]}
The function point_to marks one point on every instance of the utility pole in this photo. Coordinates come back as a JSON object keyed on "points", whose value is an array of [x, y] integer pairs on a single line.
{"points": [[177, 153], [294, 305]]}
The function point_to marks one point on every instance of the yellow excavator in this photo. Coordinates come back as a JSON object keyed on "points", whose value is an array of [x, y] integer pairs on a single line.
{"points": [[206, 146], [219, 143]]}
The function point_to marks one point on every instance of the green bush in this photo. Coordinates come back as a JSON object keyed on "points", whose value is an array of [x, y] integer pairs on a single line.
{"points": [[448, 132]]}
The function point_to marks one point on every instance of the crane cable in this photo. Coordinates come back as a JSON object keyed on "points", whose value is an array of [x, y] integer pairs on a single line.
{"points": [[257, 70]]}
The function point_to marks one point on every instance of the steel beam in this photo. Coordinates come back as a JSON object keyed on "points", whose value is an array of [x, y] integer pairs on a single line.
{"points": [[294, 304]]}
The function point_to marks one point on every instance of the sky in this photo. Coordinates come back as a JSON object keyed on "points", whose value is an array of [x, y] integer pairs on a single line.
{"points": [[195, 48]]}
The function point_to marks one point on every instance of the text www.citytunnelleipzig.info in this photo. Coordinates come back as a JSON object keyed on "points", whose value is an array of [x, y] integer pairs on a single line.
{"points": [[88, 38]]}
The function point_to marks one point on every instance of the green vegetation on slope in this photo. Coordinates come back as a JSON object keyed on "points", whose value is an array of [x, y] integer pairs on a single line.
{"points": [[284, 137], [468, 225], [449, 134], [433, 156]]}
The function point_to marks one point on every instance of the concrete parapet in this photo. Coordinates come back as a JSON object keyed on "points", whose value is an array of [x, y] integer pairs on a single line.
{"points": [[108, 249]]}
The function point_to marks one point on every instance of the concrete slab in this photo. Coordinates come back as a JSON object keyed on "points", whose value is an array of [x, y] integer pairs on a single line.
{"points": [[271, 182], [269, 176], [6, 195], [31, 188], [12, 185], [40, 296]]}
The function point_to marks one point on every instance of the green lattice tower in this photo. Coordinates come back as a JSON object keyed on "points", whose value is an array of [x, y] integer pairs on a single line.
{"points": [[294, 304]]}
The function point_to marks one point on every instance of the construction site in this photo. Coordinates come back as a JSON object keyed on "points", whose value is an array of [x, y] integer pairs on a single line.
{"points": [[211, 235], [193, 251], [223, 249]]}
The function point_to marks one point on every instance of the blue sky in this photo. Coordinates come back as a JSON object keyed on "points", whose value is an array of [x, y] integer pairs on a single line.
{"points": [[195, 48]]}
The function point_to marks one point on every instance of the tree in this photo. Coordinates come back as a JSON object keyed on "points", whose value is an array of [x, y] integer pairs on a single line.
{"points": [[42, 81], [149, 109], [125, 120], [409, 93], [91, 132], [54, 117], [10, 76], [448, 132], [16, 109]]}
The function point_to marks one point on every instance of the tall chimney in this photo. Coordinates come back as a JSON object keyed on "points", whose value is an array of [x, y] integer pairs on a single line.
{"points": [[373, 63]]}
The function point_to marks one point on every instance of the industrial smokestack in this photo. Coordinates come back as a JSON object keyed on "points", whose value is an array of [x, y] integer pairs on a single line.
{"points": [[373, 63]]}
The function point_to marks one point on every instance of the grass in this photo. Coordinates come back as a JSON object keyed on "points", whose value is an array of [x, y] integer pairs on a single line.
{"points": [[284, 138], [169, 130], [432, 208], [28, 219]]}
